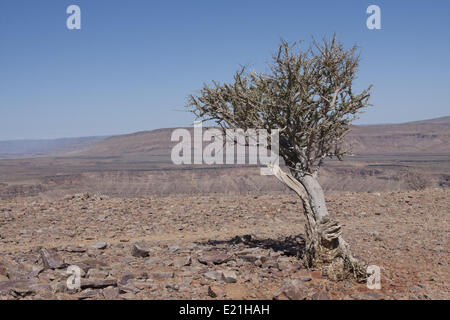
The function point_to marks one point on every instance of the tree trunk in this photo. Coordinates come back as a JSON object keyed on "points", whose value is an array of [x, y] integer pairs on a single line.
{"points": [[325, 247]]}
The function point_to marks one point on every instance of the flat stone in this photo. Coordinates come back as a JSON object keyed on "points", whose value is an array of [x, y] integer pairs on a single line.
{"points": [[41, 287], [248, 258], [128, 296], [217, 258], [270, 264], [292, 290], [127, 288], [284, 265], [75, 249], [51, 260], [127, 277], [111, 293], [182, 262], [320, 296], [306, 278], [97, 283], [229, 276], [213, 275], [89, 294], [152, 261], [142, 285], [20, 287], [99, 245], [140, 251], [162, 275]]}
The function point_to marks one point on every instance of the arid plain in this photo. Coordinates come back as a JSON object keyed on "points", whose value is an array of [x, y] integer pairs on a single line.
{"points": [[143, 228]]}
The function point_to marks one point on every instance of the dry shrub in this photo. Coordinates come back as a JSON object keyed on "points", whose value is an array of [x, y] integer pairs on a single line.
{"points": [[416, 180]]}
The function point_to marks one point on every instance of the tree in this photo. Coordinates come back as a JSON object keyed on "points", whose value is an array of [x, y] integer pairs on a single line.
{"points": [[307, 95]]}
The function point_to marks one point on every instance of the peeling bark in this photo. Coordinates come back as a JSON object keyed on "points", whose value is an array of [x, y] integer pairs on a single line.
{"points": [[325, 247]]}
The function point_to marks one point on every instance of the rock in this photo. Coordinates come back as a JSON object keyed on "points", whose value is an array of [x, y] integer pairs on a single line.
{"points": [[142, 276], [248, 258], [229, 276], [153, 260], [60, 287], [271, 264], [97, 274], [284, 265], [75, 249], [35, 270], [127, 277], [182, 262], [292, 290], [162, 275], [213, 275], [142, 285], [51, 260], [140, 251], [258, 263], [215, 292], [128, 296], [174, 249], [3, 278], [111, 293], [20, 288], [42, 288], [217, 258], [127, 288], [97, 283], [173, 287], [99, 245], [306, 278], [320, 295], [89, 294], [3, 271]]}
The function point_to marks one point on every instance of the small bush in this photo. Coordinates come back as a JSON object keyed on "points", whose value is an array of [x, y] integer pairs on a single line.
{"points": [[416, 180]]}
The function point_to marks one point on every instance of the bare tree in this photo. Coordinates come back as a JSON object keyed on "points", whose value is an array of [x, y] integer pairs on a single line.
{"points": [[308, 96]]}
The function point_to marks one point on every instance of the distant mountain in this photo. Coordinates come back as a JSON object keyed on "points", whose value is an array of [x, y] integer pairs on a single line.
{"points": [[427, 136], [424, 137], [35, 148]]}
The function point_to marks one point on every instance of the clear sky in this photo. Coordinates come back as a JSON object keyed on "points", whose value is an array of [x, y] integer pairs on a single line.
{"points": [[133, 62]]}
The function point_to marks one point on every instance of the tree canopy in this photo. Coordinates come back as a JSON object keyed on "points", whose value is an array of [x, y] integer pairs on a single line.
{"points": [[307, 95]]}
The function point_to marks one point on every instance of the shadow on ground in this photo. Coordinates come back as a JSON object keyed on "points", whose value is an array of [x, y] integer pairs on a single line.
{"points": [[290, 246]]}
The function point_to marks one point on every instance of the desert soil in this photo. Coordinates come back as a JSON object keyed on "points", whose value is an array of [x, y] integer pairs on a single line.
{"points": [[219, 247]]}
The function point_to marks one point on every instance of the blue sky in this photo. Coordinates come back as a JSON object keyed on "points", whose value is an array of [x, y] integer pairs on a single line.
{"points": [[133, 63]]}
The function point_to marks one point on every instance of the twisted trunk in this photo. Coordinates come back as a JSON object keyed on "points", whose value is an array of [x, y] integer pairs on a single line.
{"points": [[325, 247]]}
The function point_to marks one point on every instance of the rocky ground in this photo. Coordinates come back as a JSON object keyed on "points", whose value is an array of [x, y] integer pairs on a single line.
{"points": [[218, 247]]}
